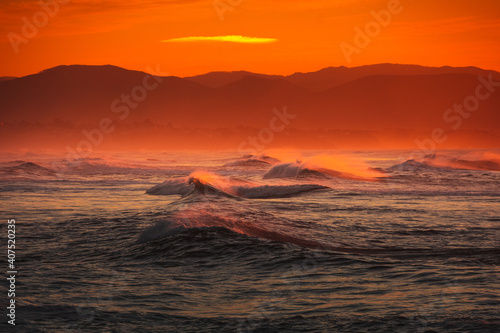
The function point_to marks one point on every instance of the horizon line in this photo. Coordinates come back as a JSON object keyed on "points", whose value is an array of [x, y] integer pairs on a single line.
{"points": [[259, 73]]}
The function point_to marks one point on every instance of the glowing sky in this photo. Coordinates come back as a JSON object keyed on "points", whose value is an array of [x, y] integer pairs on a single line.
{"points": [[275, 37]]}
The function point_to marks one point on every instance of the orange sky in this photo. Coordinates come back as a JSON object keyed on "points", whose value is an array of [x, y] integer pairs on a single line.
{"points": [[279, 37]]}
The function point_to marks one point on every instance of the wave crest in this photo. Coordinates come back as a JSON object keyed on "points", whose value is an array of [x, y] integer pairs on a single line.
{"points": [[324, 166], [207, 183], [485, 161]]}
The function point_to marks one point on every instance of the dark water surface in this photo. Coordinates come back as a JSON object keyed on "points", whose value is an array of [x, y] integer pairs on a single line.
{"points": [[416, 252]]}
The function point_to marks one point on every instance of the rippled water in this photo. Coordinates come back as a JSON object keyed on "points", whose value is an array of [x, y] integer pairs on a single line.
{"points": [[417, 251]]}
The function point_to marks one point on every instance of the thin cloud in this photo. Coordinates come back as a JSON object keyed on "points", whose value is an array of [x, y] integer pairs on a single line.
{"points": [[230, 39]]}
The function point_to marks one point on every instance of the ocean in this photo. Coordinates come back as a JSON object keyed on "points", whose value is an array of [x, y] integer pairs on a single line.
{"points": [[194, 241]]}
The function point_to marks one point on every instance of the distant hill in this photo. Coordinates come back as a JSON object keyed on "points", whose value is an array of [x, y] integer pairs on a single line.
{"points": [[219, 79], [362, 98], [85, 94], [328, 78], [6, 78], [400, 101]]}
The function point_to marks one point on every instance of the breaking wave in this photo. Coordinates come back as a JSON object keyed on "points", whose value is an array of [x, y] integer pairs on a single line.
{"points": [[213, 209], [485, 161], [208, 183], [326, 167], [22, 169], [253, 161]]}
